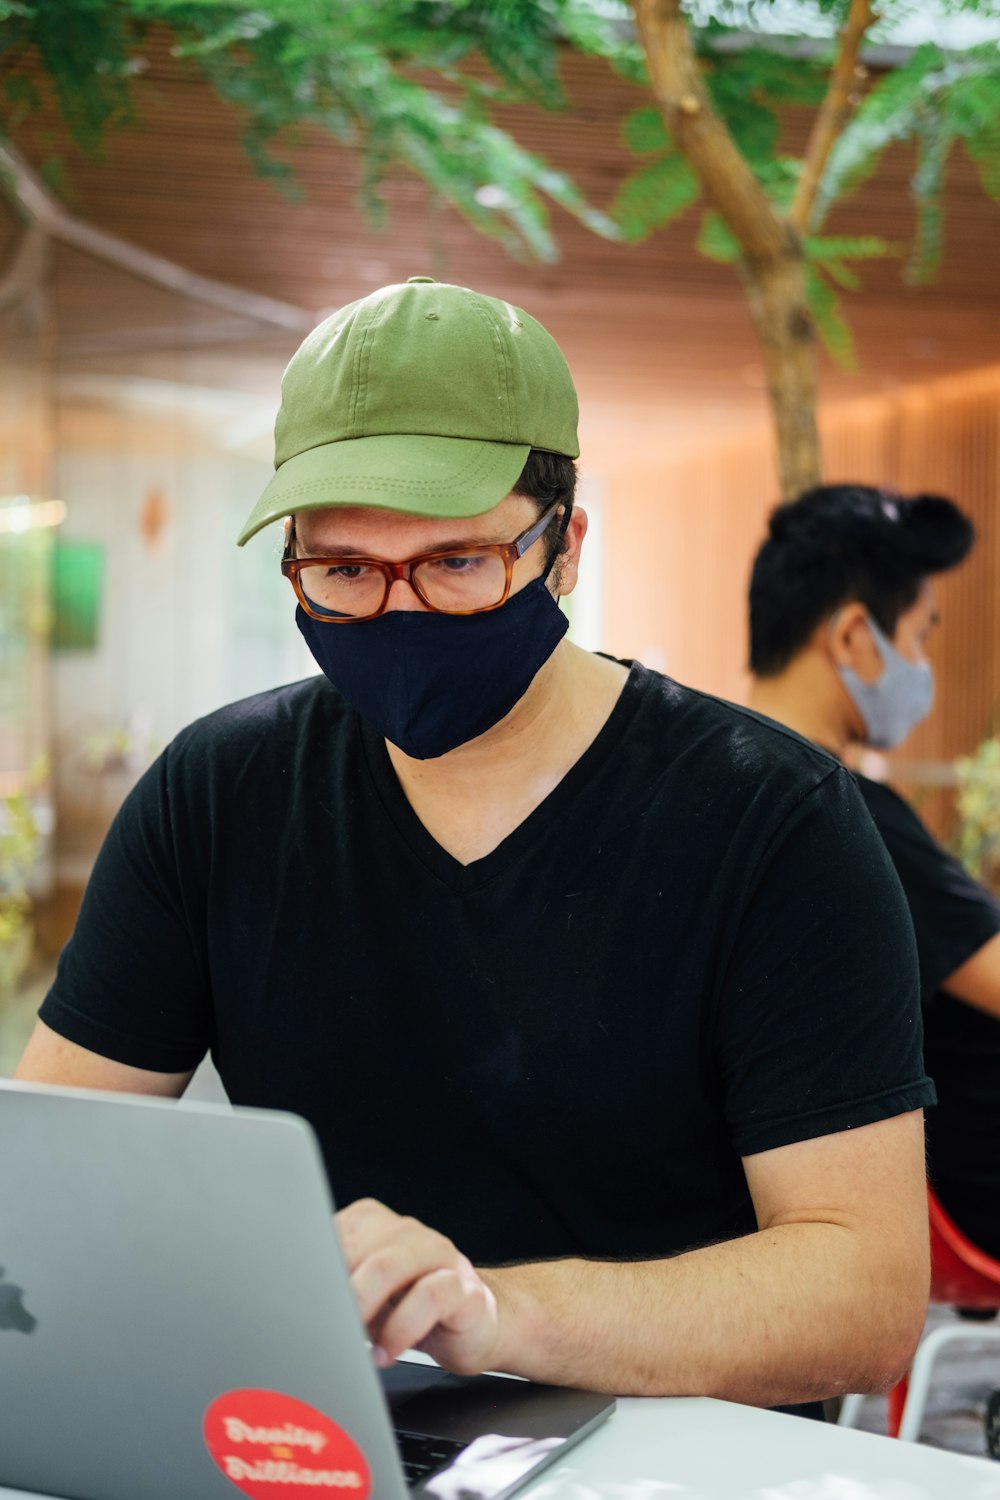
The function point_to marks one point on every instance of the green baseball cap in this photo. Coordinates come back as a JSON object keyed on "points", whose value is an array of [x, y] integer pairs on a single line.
{"points": [[422, 397]]}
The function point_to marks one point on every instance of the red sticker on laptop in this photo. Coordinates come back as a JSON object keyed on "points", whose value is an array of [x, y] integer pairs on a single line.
{"points": [[274, 1447]]}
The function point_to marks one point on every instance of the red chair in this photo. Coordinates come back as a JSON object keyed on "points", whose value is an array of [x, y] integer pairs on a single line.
{"points": [[963, 1276]]}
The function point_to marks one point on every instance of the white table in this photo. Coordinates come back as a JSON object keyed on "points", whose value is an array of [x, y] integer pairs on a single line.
{"points": [[696, 1449]]}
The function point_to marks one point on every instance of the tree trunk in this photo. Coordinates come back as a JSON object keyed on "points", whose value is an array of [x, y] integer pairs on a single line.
{"points": [[777, 296], [771, 261]]}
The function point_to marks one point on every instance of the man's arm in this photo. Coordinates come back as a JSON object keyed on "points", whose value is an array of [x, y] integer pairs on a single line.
{"points": [[977, 981], [828, 1296], [50, 1058]]}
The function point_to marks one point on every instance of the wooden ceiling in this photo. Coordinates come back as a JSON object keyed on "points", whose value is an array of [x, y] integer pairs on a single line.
{"points": [[652, 327]]}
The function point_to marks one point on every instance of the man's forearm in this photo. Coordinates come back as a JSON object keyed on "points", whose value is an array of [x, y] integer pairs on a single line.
{"points": [[829, 1296], [793, 1313]]}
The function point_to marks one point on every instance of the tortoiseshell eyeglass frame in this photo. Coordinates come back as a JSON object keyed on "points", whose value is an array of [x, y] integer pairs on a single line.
{"points": [[508, 552]]}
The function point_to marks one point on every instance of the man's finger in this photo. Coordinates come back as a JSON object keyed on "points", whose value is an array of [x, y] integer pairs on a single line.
{"points": [[390, 1269], [441, 1297], [361, 1226]]}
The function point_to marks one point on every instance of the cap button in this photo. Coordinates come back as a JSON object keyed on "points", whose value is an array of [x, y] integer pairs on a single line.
{"points": [[420, 278]]}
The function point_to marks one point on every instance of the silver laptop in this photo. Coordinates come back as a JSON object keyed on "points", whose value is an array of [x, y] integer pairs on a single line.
{"points": [[176, 1320]]}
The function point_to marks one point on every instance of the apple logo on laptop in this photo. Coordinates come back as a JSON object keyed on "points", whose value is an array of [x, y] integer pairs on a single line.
{"points": [[13, 1313]]}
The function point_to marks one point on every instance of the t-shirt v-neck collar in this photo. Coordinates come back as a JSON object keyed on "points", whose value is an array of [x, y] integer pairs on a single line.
{"points": [[444, 866]]}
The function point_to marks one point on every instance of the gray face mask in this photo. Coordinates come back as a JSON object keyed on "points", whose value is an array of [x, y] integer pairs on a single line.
{"points": [[897, 701]]}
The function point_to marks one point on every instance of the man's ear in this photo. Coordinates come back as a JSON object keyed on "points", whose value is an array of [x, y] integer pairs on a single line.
{"points": [[850, 642], [567, 564]]}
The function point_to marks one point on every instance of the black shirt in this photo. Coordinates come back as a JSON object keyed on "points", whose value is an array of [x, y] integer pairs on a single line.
{"points": [[694, 949], [953, 917]]}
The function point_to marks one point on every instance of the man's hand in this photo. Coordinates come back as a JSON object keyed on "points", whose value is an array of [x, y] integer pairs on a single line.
{"points": [[416, 1291], [829, 1295]]}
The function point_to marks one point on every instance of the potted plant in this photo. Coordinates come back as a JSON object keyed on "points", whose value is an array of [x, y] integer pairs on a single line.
{"points": [[19, 842], [977, 805]]}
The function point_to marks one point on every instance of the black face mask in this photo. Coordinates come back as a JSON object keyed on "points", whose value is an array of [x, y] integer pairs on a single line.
{"points": [[430, 682]]}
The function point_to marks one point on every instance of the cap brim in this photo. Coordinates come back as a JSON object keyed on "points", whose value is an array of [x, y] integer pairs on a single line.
{"points": [[421, 475]]}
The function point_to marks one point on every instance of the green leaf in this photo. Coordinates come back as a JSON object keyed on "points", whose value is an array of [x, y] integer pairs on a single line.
{"points": [[985, 155], [55, 176], [84, 46], [715, 239], [340, 74], [599, 29], [23, 97], [831, 251], [841, 274], [973, 114], [653, 196], [643, 130], [562, 190], [936, 100], [934, 143], [848, 247], [888, 113], [779, 178], [748, 87], [271, 167], [752, 123], [824, 305]]}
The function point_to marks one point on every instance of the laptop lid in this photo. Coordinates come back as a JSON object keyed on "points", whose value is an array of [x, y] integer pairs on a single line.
{"points": [[176, 1317]]}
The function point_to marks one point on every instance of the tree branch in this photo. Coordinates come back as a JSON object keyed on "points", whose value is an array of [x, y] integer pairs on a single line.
{"points": [[833, 112], [27, 269], [38, 206], [702, 136]]}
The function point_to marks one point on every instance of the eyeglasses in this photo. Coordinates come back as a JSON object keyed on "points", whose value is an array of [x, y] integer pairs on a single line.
{"points": [[452, 581]]}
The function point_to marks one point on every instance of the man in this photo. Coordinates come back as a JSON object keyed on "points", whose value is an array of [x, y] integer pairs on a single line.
{"points": [[543, 945], [841, 607]]}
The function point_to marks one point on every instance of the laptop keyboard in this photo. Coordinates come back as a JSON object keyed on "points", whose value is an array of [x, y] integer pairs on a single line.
{"points": [[422, 1456]]}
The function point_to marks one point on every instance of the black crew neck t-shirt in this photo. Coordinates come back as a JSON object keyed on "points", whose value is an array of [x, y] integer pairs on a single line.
{"points": [[953, 917], [693, 950]]}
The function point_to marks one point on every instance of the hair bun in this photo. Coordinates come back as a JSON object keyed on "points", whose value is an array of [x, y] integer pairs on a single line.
{"points": [[935, 528]]}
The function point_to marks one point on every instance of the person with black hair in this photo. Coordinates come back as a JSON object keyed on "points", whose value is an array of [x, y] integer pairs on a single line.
{"points": [[842, 604]]}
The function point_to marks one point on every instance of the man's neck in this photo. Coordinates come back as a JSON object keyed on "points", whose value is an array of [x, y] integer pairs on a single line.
{"points": [[472, 798], [793, 702]]}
